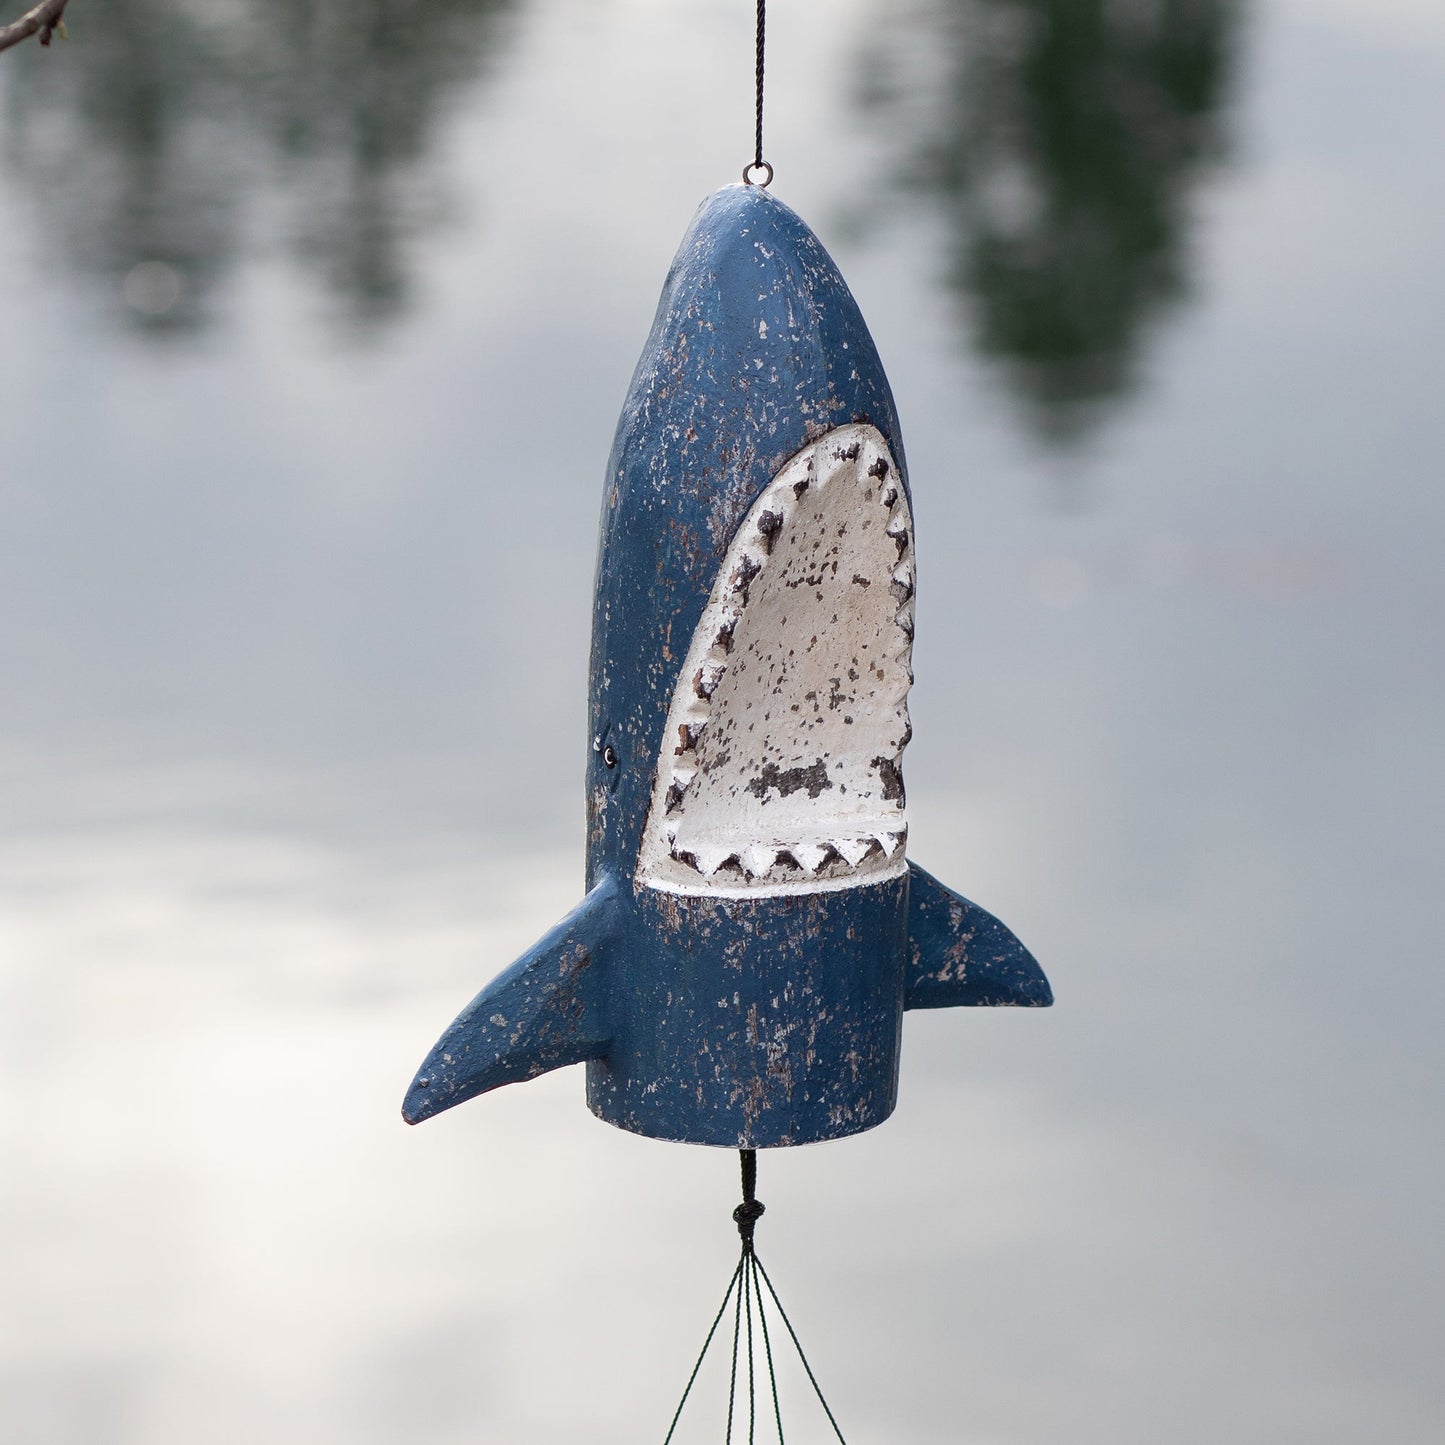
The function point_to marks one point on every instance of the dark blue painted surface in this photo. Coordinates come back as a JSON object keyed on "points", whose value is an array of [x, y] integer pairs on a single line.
{"points": [[738, 1021]]}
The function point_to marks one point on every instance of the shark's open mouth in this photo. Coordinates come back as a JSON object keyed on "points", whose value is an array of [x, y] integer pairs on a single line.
{"points": [[781, 761]]}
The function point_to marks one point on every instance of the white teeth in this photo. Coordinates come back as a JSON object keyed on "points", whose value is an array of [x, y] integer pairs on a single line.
{"points": [[712, 779], [722, 643], [706, 679], [747, 568], [809, 855], [760, 859], [833, 463], [710, 859], [770, 523], [852, 850]]}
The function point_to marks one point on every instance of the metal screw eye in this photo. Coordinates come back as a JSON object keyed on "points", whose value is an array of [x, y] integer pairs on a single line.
{"points": [[609, 756]]}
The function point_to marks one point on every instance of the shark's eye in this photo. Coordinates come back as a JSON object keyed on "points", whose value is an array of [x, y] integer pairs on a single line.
{"points": [[609, 756]]}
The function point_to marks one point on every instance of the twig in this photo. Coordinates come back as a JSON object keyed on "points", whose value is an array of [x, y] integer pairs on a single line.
{"points": [[44, 19]]}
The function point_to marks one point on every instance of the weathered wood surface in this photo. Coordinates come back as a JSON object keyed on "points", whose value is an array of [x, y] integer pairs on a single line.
{"points": [[753, 931]]}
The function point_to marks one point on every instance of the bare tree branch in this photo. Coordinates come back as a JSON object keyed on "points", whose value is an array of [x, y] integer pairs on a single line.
{"points": [[43, 20]]}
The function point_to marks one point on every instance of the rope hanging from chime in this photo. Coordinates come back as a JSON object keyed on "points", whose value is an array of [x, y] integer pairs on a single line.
{"points": [[745, 1294], [758, 172]]}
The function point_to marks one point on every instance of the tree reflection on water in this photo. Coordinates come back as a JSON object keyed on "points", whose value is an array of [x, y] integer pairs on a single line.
{"points": [[1062, 143], [155, 151]]}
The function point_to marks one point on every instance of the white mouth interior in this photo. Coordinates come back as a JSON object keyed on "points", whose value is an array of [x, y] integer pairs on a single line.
{"points": [[781, 762]]}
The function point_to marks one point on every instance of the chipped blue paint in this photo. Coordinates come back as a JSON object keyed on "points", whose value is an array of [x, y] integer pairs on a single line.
{"points": [[760, 1007]]}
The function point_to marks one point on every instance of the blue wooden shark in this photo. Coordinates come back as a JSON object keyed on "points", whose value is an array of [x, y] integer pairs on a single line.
{"points": [[752, 932]]}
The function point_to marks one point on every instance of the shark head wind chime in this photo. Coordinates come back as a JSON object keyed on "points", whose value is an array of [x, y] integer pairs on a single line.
{"points": [[752, 931]]}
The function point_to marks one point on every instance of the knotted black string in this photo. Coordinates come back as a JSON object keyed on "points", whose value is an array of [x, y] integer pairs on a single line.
{"points": [[751, 1209], [745, 1292]]}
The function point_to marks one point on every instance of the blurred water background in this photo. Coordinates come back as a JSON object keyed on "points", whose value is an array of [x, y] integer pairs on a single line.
{"points": [[316, 319]]}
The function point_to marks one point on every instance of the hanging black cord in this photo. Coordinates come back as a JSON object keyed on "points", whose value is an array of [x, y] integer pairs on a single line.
{"points": [[812, 1380], [691, 1379], [752, 1389], [762, 44], [748, 1280], [733, 1372], [747, 1214], [767, 1348], [758, 164]]}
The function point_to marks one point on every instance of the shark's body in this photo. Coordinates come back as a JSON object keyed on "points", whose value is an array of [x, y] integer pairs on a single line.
{"points": [[752, 932]]}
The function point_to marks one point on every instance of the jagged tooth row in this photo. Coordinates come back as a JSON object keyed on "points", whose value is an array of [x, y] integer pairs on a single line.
{"points": [[761, 859], [904, 738], [697, 706], [901, 582], [890, 494]]}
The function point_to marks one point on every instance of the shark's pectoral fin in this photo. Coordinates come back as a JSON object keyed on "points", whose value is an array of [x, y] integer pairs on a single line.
{"points": [[960, 955], [547, 1010]]}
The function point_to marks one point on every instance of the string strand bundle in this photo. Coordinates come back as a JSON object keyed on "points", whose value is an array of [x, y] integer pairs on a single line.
{"points": [[745, 1294]]}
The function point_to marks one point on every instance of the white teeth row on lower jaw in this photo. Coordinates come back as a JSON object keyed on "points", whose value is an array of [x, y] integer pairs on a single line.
{"points": [[762, 860]]}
